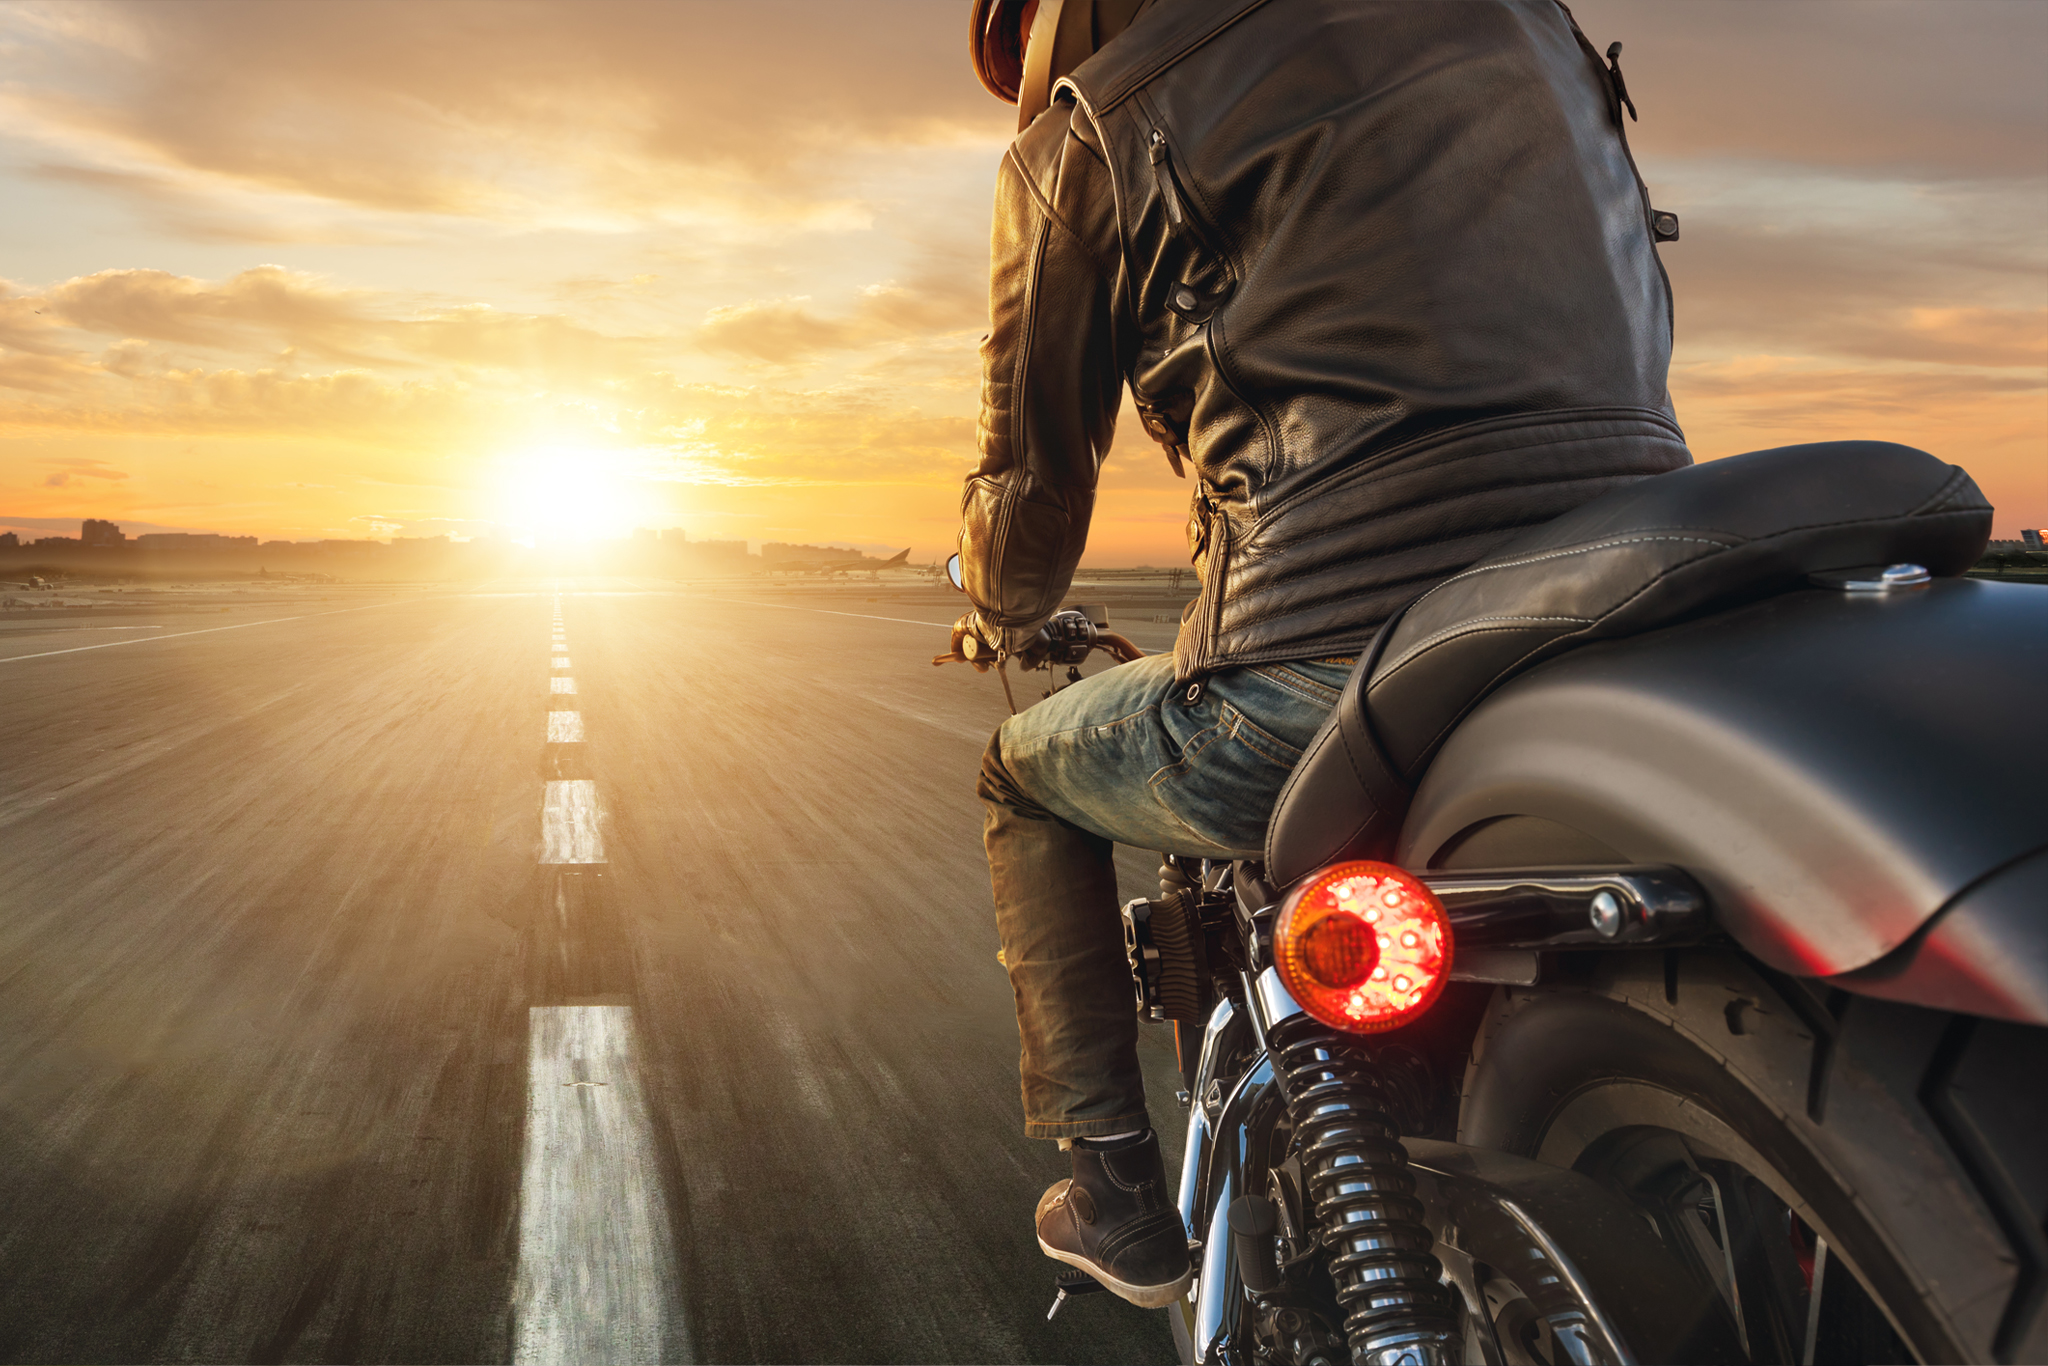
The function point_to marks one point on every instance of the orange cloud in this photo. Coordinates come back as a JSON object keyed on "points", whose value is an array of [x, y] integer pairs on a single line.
{"points": [[156, 305], [419, 108]]}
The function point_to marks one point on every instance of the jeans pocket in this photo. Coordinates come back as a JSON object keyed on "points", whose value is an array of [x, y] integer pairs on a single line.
{"points": [[1223, 789]]}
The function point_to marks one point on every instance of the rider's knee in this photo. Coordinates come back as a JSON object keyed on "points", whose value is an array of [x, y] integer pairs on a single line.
{"points": [[999, 786]]}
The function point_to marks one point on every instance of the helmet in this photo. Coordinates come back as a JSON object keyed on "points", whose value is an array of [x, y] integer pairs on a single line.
{"points": [[1065, 34]]}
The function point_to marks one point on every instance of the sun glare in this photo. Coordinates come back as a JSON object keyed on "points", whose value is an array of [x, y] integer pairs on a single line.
{"points": [[570, 493]]}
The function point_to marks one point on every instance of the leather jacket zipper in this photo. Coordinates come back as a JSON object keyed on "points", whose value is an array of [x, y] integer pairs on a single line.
{"points": [[1179, 218], [1169, 191]]}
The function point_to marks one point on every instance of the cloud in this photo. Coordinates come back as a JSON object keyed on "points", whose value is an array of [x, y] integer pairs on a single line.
{"points": [[43, 374], [1921, 91], [787, 330], [259, 308], [776, 330], [494, 109], [550, 348], [156, 305], [74, 468], [201, 211]]}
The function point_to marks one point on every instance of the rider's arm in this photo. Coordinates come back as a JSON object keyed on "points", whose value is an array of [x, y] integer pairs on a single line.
{"points": [[1051, 376]]}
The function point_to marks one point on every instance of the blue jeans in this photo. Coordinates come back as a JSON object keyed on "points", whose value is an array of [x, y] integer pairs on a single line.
{"points": [[1121, 758]]}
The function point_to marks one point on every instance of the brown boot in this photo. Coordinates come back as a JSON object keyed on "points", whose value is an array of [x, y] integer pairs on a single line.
{"points": [[1115, 1221]]}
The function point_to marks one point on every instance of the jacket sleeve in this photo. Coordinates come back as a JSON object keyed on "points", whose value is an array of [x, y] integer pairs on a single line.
{"points": [[1052, 376]]}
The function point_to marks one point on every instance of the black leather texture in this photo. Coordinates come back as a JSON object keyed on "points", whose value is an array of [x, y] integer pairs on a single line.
{"points": [[1379, 276], [1652, 554]]}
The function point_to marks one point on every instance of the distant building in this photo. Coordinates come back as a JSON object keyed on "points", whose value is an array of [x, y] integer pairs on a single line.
{"points": [[2030, 537], [9, 541], [55, 542], [725, 555], [774, 552], [675, 535], [95, 532], [186, 540]]}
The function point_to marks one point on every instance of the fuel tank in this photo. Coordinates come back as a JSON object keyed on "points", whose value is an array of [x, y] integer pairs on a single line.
{"points": [[1837, 769]]}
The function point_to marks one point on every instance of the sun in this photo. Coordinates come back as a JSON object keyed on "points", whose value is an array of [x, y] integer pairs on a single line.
{"points": [[557, 493]]}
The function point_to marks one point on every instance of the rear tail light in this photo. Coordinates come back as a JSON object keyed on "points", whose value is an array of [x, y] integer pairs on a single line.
{"points": [[1363, 946]]}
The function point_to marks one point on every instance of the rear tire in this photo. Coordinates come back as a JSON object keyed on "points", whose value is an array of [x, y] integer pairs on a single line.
{"points": [[1748, 1117]]}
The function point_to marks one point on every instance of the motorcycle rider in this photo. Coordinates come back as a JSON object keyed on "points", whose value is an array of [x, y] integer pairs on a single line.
{"points": [[1384, 275]]}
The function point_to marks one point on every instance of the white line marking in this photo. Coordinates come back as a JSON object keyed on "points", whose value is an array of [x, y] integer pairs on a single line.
{"points": [[597, 1260], [207, 631], [568, 823], [565, 727], [561, 685], [864, 616], [560, 662]]}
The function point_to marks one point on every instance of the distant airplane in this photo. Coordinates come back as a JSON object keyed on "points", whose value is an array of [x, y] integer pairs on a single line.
{"points": [[850, 565]]}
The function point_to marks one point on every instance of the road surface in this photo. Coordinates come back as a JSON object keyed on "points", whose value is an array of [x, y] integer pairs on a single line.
{"points": [[525, 971]]}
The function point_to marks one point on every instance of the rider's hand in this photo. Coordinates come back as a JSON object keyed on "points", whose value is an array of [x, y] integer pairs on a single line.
{"points": [[1034, 651], [970, 642]]}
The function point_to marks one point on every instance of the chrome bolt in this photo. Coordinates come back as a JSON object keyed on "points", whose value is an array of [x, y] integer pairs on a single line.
{"points": [[1903, 575], [1605, 914]]}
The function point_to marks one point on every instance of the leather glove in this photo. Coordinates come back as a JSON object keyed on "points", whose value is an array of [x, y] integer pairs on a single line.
{"points": [[971, 643]]}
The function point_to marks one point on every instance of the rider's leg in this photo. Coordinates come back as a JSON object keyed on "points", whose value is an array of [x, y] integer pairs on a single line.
{"points": [[1124, 757]]}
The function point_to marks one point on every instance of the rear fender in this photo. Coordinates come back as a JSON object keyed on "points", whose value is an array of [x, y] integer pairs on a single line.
{"points": [[1836, 770]]}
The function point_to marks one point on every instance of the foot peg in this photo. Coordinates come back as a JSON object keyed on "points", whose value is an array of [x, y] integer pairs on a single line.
{"points": [[1068, 1285]]}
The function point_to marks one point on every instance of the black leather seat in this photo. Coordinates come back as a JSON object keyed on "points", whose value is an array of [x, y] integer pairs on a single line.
{"points": [[1655, 552]]}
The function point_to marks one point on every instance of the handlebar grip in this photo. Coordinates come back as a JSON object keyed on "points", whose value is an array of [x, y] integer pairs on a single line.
{"points": [[1117, 645]]}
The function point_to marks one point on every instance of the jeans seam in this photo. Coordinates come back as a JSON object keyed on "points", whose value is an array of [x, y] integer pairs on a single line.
{"points": [[1126, 1118], [1038, 744], [1223, 727], [1244, 723], [1303, 687]]}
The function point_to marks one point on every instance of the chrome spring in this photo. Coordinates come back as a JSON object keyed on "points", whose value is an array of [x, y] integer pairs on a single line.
{"points": [[1396, 1307]]}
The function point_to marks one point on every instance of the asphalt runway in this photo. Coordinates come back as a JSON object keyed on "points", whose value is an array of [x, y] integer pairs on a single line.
{"points": [[346, 1015]]}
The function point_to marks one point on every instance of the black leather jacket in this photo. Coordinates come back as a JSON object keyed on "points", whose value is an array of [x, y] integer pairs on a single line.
{"points": [[1380, 274]]}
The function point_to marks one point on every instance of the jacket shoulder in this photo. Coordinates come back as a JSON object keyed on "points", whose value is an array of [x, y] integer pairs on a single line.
{"points": [[1038, 151], [1162, 35]]}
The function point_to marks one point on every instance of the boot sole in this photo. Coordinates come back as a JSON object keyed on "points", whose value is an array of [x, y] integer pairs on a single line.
{"points": [[1144, 1296]]}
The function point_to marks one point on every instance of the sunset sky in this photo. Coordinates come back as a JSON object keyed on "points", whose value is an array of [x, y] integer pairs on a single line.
{"points": [[307, 270]]}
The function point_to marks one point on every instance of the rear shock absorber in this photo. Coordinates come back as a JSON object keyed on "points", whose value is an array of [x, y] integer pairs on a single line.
{"points": [[1397, 1311]]}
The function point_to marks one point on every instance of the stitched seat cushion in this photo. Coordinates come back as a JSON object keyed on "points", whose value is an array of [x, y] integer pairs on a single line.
{"points": [[1655, 552]]}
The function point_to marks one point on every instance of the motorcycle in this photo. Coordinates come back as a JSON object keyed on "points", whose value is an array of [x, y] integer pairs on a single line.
{"points": [[1649, 957]]}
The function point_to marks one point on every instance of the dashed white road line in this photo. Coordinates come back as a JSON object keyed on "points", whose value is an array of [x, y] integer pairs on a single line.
{"points": [[565, 727], [597, 1259], [568, 822], [561, 685], [560, 662]]}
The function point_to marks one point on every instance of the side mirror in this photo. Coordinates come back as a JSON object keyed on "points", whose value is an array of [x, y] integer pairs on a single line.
{"points": [[953, 573]]}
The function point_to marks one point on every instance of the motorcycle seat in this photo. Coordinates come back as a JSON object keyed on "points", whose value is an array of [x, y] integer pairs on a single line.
{"points": [[1650, 554]]}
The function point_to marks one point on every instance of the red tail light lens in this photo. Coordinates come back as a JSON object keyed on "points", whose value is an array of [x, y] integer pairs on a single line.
{"points": [[1363, 946]]}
